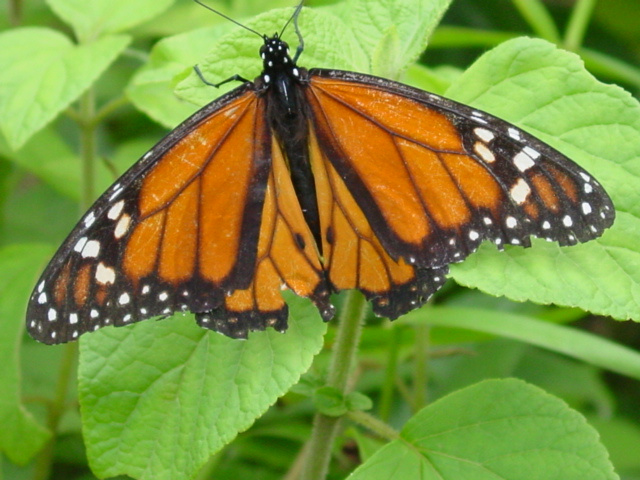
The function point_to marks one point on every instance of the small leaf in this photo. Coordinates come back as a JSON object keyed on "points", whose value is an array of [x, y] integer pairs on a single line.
{"points": [[358, 401], [504, 429], [330, 401], [43, 72]]}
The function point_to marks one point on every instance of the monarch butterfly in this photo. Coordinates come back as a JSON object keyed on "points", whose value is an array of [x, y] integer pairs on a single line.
{"points": [[315, 181]]}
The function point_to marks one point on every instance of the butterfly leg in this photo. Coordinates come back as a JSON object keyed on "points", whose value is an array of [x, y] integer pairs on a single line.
{"points": [[233, 78]]}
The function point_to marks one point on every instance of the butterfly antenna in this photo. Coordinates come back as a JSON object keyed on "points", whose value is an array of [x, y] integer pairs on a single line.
{"points": [[228, 18], [294, 17]]}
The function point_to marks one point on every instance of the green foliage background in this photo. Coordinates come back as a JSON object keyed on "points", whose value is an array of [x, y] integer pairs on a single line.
{"points": [[87, 87]]}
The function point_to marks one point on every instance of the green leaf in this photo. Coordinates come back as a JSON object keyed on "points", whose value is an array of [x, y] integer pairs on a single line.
{"points": [[21, 436], [98, 17], [358, 401], [598, 126], [394, 33], [601, 276], [328, 43], [51, 159], [330, 401], [504, 429], [151, 89], [158, 398], [43, 72]]}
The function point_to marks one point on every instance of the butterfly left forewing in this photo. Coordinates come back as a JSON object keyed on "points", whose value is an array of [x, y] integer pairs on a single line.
{"points": [[175, 233]]}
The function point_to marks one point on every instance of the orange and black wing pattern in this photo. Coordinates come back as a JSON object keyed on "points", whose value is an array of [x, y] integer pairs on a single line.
{"points": [[182, 231], [312, 181], [410, 182]]}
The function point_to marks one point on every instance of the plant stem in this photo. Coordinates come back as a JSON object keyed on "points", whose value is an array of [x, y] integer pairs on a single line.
{"points": [[380, 428], [87, 147], [580, 17], [390, 374], [420, 367], [56, 410], [325, 428], [538, 18]]}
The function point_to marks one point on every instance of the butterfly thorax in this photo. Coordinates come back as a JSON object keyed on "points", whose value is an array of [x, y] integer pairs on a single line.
{"points": [[287, 114]]}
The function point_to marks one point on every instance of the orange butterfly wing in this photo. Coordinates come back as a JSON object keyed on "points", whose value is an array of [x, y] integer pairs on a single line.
{"points": [[409, 182], [209, 221], [181, 231]]}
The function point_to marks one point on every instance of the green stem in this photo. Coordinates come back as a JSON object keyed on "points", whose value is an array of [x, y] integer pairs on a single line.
{"points": [[420, 367], [87, 147], [580, 17], [325, 429], [368, 421], [538, 18], [56, 410], [390, 374]]}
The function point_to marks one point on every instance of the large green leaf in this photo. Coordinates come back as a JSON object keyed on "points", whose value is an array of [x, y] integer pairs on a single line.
{"points": [[548, 92], [159, 398], [496, 429], [42, 73]]}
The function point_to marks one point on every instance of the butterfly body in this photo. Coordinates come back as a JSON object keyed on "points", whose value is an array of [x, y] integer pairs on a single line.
{"points": [[314, 181]]}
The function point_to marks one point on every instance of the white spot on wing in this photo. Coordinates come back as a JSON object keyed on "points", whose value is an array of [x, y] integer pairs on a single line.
{"points": [[80, 244], [511, 222], [163, 296], [91, 249], [515, 134], [124, 298], [520, 191], [118, 189], [116, 210], [546, 225], [567, 221], [52, 314], [89, 219], [42, 298], [105, 275], [73, 318], [483, 151], [586, 208], [532, 152], [122, 226], [484, 134], [523, 161]]}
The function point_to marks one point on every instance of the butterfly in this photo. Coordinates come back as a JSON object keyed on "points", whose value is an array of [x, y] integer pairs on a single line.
{"points": [[315, 181]]}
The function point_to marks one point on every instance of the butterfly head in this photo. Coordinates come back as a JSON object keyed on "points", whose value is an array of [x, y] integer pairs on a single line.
{"points": [[276, 59]]}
